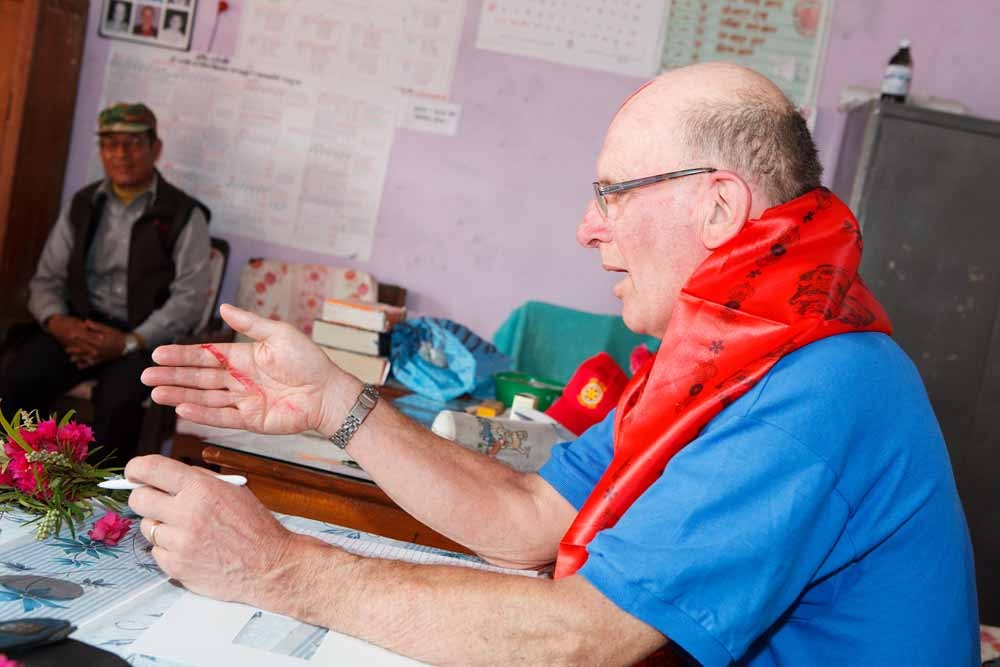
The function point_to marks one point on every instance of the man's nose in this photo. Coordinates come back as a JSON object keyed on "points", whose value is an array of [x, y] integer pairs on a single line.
{"points": [[594, 229]]}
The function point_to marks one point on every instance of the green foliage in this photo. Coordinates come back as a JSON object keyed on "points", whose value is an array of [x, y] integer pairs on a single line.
{"points": [[72, 485]]}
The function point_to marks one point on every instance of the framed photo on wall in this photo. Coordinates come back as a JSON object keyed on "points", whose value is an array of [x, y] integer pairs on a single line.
{"points": [[166, 23]]}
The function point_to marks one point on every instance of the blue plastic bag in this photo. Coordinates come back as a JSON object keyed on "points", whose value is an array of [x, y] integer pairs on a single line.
{"points": [[442, 360]]}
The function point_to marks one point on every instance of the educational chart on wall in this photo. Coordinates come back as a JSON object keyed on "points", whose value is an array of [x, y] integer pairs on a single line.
{"points": [[621, 36], [278, 157], [782, 39], [411, 44]]}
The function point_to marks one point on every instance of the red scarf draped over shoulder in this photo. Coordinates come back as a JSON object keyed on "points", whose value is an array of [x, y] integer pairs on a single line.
{"points": [[785, 280]]}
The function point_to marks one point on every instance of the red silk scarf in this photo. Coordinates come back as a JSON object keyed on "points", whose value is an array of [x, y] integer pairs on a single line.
{"points": [[786, 280]]}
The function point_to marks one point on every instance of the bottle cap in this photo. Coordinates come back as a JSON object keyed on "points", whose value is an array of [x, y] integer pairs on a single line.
{"points": [[904, 43]]}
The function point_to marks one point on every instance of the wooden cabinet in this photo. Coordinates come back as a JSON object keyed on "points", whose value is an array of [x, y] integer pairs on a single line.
{"points": [[41, 50]]}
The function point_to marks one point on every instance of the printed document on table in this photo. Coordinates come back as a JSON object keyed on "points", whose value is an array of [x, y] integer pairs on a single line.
{"points": [[242, 635]]}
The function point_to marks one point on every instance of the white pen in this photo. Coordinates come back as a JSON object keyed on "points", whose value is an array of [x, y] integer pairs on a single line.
{"points": [[122, 484]]}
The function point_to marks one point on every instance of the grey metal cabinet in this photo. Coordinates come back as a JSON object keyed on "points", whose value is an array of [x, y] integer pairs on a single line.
{"points": [[925, 186]]}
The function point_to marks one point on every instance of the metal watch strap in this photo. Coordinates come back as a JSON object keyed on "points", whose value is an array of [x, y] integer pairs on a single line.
{"points": [[364, 405]]}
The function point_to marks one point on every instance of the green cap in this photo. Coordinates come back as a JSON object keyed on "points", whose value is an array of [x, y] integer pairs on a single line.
{"points": [[122, 117]]}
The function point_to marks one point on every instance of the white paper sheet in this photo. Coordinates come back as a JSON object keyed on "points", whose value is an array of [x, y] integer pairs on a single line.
{"points": [[410, 44], [429, 115], [200, 631], [277, 156], [622, 36]]}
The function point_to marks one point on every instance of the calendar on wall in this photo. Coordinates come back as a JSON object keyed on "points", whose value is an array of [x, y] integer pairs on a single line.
{"points": [[782, 39], [621, 36]]}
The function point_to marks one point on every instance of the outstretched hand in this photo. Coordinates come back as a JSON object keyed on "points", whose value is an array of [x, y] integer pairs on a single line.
{"points": [[274, 385]]}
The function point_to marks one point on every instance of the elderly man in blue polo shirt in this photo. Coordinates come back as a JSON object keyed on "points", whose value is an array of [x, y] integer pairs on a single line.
{"points": [[773, 489]]}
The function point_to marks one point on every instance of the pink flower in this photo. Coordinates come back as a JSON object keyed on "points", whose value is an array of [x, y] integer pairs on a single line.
{"points": [[223, 6], [29, 478], [7, 662], [13, 451], [21, 474], [109, 529], [43, 437], [76, 438]]}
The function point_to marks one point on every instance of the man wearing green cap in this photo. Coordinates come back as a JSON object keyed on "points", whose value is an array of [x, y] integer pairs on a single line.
{"points": [[124, 269]]}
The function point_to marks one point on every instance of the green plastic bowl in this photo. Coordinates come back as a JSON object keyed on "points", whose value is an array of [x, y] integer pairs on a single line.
{"points": [[510, 384]]}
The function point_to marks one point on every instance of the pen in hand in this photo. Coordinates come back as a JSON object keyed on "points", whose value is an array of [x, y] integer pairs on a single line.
{"points": [[122, 484]]}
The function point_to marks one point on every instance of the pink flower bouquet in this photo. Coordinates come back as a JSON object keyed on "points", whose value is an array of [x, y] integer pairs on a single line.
{"points": [[44, 472], [109, 529]]}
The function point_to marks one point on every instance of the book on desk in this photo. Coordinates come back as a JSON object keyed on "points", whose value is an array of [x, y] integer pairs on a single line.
{"points": [[355, 335]]}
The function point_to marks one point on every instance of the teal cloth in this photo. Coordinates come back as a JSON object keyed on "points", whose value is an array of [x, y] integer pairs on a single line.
{"points": [[552, 341]]}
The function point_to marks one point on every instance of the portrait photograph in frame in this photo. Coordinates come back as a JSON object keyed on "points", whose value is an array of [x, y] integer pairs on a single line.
{"points": [[165, 23]]}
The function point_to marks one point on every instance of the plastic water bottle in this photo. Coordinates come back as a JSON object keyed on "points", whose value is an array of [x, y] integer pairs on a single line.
{"points": [[898, 75]]}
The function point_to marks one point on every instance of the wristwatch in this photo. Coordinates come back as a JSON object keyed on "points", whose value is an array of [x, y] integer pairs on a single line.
{"points": [[131, 344], [364, 405]]}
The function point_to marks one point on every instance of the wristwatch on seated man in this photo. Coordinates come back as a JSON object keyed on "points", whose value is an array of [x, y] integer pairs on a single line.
{"points": [[131, 344], [361, 409]]}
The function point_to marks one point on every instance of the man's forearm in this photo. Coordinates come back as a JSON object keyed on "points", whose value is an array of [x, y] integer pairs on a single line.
{"points": [[508, 517], [454, 615]]}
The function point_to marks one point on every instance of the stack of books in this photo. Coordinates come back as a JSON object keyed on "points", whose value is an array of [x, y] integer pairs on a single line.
{"points": [[355, 335]]}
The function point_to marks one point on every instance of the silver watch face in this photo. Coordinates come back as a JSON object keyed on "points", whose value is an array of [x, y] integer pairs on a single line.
{"points": [[369, 396], [367, 400]]}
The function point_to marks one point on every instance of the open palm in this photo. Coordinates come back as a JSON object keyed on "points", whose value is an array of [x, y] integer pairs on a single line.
{"points": [[273, 385]]}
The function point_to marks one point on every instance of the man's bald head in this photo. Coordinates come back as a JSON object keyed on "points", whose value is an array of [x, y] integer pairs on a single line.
{"points": [[724, 116]]}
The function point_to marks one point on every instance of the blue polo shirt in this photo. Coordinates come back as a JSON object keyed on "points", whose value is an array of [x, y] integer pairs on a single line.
{"points": [[814, 521]]}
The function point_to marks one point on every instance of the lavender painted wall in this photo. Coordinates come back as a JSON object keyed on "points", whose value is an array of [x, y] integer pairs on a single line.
{"points": [[475, 224], [954, 53]]}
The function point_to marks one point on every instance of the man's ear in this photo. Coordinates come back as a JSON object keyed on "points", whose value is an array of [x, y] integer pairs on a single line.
{"points": [[727, 207], [157, 149]]}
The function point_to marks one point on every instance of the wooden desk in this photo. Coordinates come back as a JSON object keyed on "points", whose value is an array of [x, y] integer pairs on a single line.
{"points": [[314, 494]]}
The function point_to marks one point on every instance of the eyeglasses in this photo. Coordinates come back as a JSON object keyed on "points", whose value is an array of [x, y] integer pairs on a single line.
{"points": [[129, 144], [602, 191]]}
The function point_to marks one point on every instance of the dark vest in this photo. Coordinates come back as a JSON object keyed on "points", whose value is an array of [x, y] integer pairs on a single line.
{"points": [[151, 267]]}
